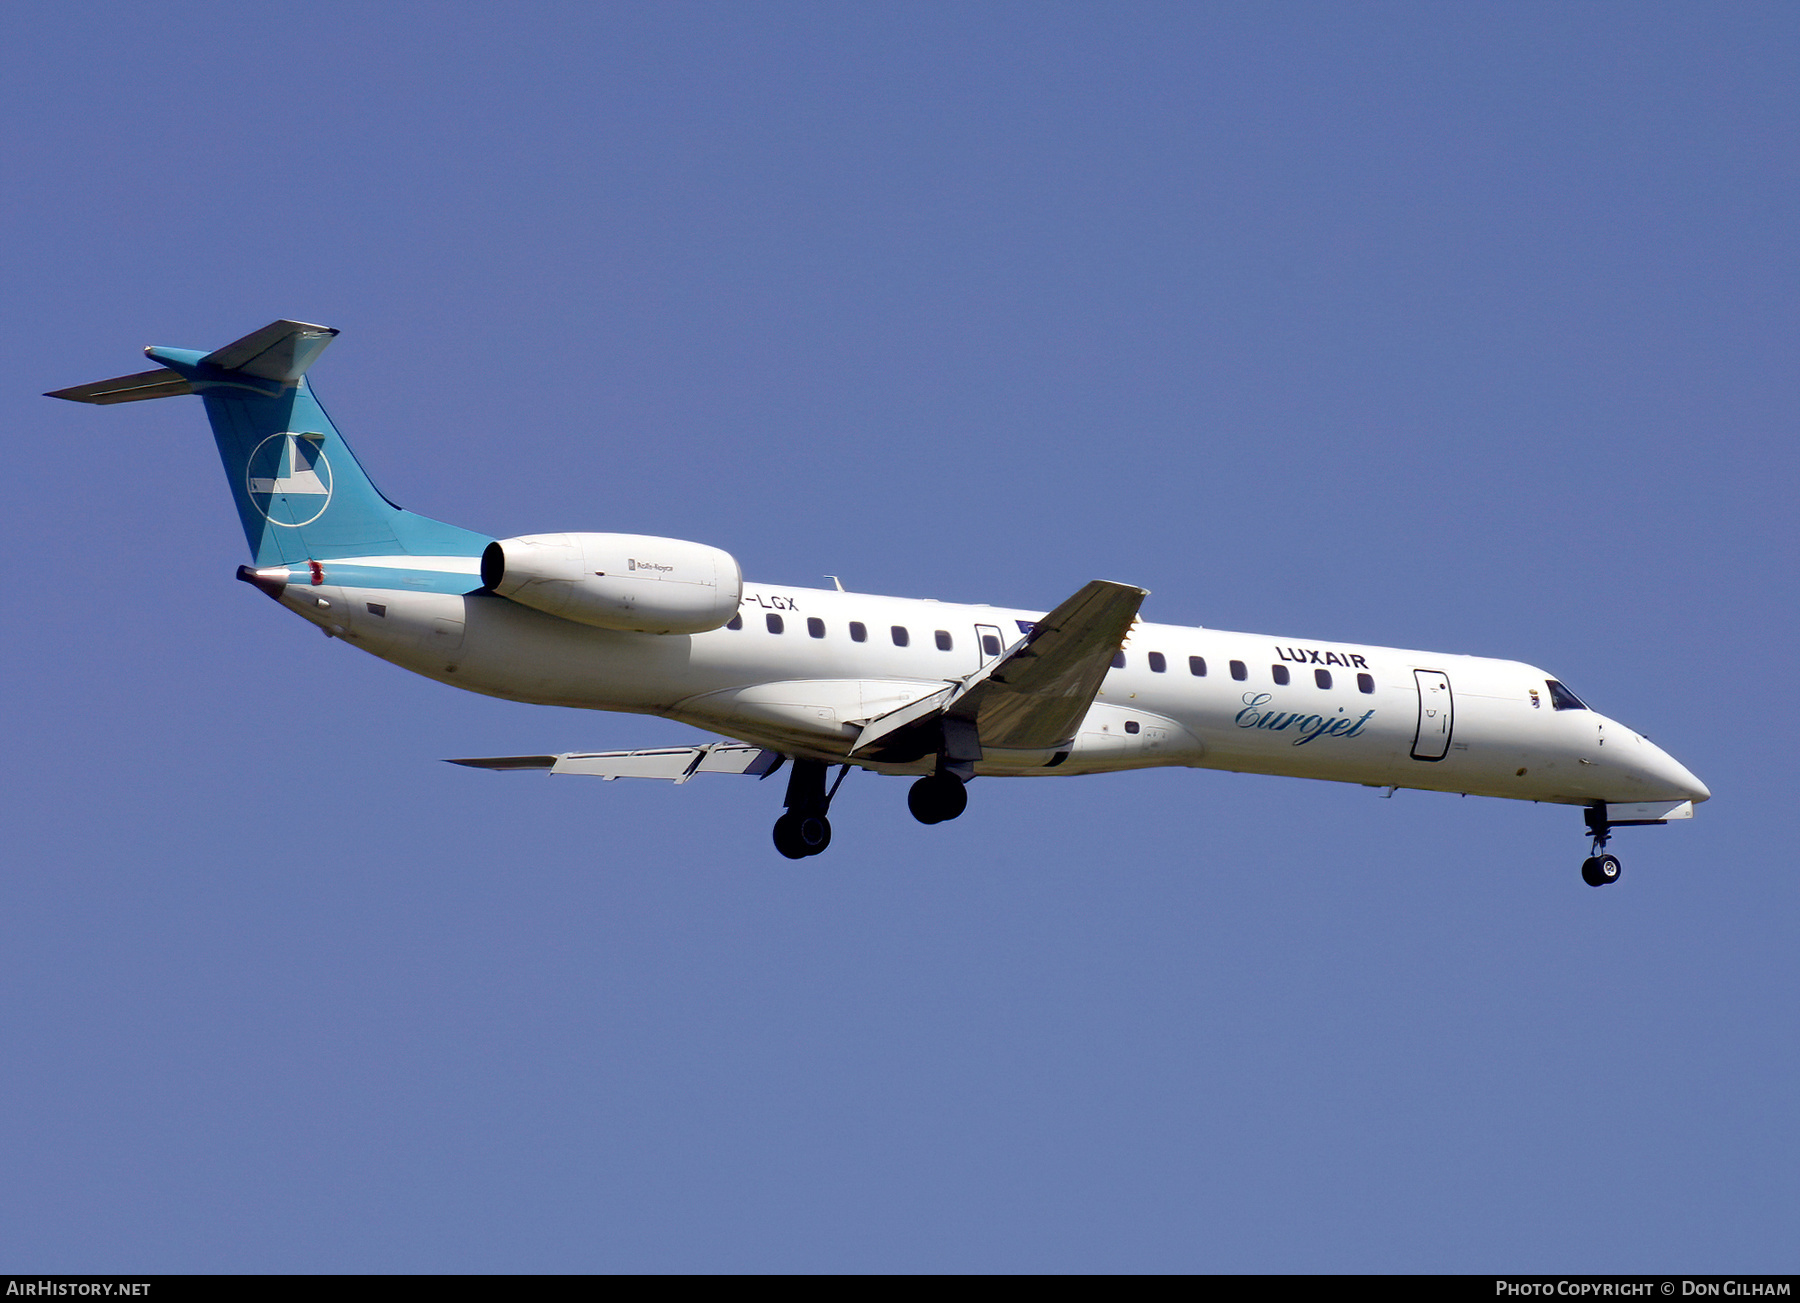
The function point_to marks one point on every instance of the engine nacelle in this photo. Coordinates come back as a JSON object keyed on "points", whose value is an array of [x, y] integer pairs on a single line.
{"points": [[617, 581]]}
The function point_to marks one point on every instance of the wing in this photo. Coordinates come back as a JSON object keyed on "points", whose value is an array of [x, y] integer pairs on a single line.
{"points": [[1035, 696], [674, 764]]}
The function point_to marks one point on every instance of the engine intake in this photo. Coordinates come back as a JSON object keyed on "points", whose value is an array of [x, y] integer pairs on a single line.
{"points": [[629, 582]]}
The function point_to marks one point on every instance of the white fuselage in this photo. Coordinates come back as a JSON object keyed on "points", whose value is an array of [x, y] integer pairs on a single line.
{"points": [[1380, 716]]}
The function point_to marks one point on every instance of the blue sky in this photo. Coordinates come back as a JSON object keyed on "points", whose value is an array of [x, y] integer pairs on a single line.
{"points": [[1469, 328]]}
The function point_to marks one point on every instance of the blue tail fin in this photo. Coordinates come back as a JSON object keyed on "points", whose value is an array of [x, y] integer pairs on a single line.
{"points": [[299, 490]]}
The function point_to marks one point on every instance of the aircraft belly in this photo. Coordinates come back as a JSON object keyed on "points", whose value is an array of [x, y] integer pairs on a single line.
{"points": [[417, 630], [1116, 737], [489, 645], [820, 711]]}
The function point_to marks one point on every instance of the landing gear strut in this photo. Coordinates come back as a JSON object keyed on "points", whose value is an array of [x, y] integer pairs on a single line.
{"points": [[804, 830], [1600, 868]]}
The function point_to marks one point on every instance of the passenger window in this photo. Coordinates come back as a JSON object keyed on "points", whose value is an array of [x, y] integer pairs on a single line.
{"points": [[1365, 683], [1238, 671], [773, 621], [1562, 698], [1279, 674], [900, 638], [1322, 678], [1118, 660], [1131, 726], [943, 640], [736, 621], [815, 626], [990, 643], [1158, 663], [1197, 666], [859, 632]]}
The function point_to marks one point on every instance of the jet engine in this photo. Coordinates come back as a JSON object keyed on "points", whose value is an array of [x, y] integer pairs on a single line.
{"points": [[617, 581]]}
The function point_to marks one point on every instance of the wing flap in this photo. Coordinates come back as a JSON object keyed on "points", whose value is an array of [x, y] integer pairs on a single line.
{"points": [[885, 726]]}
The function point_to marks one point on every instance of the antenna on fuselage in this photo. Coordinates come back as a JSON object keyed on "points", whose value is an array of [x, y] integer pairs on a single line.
{"points": [[838, 582]]}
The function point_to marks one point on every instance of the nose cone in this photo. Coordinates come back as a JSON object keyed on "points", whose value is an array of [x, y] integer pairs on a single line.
{"points": [[1664, 770]]}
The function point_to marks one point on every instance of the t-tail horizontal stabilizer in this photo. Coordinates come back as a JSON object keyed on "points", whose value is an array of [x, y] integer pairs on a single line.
{"points": [[672, 764], [160, 383], [281, 351]]}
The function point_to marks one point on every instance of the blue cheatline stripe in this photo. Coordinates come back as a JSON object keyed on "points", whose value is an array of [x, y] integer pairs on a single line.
{"points": [[407, 581]]}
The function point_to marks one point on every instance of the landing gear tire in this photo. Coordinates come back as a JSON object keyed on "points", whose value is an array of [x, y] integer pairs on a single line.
{"points": [[937, 798], [1600, 870], [800, 835]]}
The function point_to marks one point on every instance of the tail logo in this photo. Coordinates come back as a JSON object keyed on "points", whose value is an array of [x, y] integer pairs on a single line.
{"points": [[289, 479]]}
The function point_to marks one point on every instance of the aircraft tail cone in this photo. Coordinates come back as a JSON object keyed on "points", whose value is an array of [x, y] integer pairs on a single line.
{"points": [[273, 581]]}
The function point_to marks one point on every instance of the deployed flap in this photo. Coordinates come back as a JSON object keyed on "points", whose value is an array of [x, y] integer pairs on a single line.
{"points": [[674, 764], [905, 717], [281, 350], [1035, 697], [160, 383]]}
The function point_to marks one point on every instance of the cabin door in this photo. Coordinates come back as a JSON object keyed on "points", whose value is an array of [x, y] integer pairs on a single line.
{"points": [[989, 642], [1437, 715]]}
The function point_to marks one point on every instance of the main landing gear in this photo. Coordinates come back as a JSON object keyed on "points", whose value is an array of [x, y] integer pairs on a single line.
{"points": [[941, 796], [804, 830], [1600, 868], [937, 798]]}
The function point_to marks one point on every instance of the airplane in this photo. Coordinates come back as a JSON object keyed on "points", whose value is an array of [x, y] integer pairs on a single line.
{"points": [[813, 678]]}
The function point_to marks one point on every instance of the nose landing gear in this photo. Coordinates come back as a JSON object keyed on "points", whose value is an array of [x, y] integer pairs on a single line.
{"points": [[1600, 868]]}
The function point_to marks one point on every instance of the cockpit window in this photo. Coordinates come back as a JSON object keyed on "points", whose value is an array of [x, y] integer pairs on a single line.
{"points": [[1562, 698]]}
